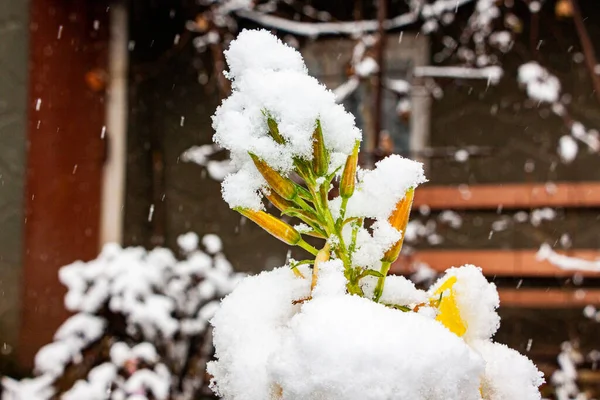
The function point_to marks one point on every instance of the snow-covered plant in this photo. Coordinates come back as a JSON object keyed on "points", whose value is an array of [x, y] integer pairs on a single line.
{"points": [[342, 329], [564, 379], [140, 326]]}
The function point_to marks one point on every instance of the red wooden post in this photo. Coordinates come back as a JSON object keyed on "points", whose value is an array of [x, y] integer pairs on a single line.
{"points": [[68, 40]]}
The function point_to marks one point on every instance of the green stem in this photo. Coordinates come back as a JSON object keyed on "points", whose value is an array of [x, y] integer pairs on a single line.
{"points": [[343, 210], [303, 262], [355, 229], [385, 267], [307, 247]]}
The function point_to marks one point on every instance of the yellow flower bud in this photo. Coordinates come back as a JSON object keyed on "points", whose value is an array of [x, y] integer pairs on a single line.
{"points": [[399, 220], [274, 226], [283, 186], [349, 175], [320, 156], [279, 202]]}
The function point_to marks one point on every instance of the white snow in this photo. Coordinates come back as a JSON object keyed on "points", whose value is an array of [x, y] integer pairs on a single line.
{"points": [[188, 242], [567, 149], [545, 253], [350, 348], [539, 83], [155, 293], [379, 190], [272, 341], [508, 374], [212, 243], [493, 73], [371, 248]]}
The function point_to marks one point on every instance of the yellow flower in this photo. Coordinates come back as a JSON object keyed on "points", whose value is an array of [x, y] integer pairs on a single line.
{"points": [[448, 311]]}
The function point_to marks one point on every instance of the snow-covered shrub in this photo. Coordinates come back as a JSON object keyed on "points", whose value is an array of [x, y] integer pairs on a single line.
{"points": [[140, 328], [342, 329]]}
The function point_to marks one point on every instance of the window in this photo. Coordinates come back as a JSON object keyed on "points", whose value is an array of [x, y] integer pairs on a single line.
{"points": [[405, 112]]}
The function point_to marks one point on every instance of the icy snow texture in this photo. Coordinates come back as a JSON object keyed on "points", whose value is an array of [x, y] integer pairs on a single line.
{"points": [[274, 342], [476, 298], [508, 374], [350, 348], [371, 248], [248, 329], [399, 291], [331, 279], [270, 78]]}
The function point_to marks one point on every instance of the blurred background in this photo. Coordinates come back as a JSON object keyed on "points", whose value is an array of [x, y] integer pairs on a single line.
{"points": [[105, 133]]}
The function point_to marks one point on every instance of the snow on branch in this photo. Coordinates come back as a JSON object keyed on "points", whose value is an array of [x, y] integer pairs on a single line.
{"points": [[545, 253], [492, 73], [544, 87], [140, 325], [314, 29]]}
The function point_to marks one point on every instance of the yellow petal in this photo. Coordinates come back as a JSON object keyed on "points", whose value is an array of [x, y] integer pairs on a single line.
{"points": [[449, 313]]}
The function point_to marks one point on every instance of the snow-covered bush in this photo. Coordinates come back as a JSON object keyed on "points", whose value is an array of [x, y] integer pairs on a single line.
{"points": [[342, 329], [140, 328]]}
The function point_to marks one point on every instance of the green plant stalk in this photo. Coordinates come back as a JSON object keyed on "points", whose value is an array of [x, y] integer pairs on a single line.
{"points": [[385, 268], [307, 247]]}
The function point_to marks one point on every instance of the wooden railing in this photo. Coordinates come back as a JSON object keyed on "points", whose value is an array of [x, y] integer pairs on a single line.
{"points": [[512, 263]]}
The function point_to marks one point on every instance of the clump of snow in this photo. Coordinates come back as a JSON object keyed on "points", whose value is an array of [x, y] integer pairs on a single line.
{"points": [[371, 248], [379, 190], [269, 79], [397, 291], [201, 155], [212, 243], [508, 374], [38, 388], [350, 348], [567, 149], [331, 279], [565, 378], [539, 83], [260, 50], [452, 218], [366, 67], [247, 331], [188, 242], [539, 215]]}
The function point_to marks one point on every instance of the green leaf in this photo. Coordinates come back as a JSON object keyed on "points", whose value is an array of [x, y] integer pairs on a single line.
{"points": [[398, 307], [371, 272]]}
